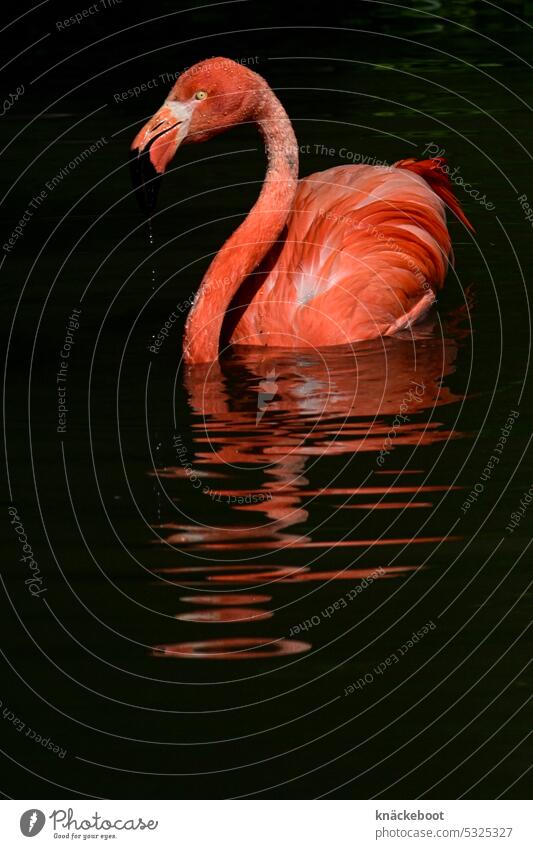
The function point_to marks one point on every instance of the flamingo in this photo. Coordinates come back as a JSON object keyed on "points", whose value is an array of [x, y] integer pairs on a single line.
{"points": [[352, 253]]}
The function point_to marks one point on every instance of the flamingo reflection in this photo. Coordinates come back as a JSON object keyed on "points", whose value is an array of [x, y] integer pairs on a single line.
{"points": [[291, 422], [372, 399]]}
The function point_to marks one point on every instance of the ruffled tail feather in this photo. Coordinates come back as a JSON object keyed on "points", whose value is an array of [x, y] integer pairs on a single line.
{"points": [[432, 170]]}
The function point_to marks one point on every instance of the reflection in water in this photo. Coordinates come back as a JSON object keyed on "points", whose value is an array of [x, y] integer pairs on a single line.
{"points": [[241, 598], [276, 481], [225, 614], [232, 648], [297, 577]]}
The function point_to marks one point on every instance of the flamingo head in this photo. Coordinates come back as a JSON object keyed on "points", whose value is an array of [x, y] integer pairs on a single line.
{"points": [[206, 99]]}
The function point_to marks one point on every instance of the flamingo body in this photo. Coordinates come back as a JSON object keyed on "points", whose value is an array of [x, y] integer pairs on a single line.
{"points": [[348, 254], [364, 251]]}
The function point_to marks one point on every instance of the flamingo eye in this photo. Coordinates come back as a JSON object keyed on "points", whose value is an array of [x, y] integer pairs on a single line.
{"points": [[200, 95]]}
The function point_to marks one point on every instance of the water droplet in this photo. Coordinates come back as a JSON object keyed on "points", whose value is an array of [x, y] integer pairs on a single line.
{"points": [[151, 242]]}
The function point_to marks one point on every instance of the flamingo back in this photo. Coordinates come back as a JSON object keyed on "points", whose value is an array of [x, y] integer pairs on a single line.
{"points": [[364, 248]]}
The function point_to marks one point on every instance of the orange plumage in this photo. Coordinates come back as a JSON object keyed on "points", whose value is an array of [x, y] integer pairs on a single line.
{"points": [[347, 254]]}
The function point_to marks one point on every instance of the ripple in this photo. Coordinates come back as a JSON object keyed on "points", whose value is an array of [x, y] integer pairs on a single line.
{"points": [[226, 598], [297, 576], [225, 614], [231, 648], [331, 543], [386, 505], [182, 570], [259, 577]]}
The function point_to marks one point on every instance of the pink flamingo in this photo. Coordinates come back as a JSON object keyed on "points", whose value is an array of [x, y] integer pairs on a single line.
{"points": [[351, 253]]}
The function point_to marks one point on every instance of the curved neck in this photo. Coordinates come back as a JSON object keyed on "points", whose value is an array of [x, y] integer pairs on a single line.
{"points": [[247, 246]]}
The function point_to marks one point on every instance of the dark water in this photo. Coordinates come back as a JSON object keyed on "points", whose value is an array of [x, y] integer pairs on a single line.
{"points": [[233, 560]]}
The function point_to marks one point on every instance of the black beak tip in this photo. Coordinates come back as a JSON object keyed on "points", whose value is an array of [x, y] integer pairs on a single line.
{"points": [[145, 179]]}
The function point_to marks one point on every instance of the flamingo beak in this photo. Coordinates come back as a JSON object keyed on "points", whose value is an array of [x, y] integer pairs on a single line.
{"points": [[153, 148]]}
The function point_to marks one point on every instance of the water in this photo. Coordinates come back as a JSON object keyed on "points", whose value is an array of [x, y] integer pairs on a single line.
{"points": [[272, 508]]}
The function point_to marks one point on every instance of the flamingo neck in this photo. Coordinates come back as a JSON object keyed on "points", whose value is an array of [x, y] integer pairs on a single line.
{"points": [[247, 246]]}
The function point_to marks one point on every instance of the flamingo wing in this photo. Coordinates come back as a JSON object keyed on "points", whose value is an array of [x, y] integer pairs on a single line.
{"points": [[364, 251]]}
